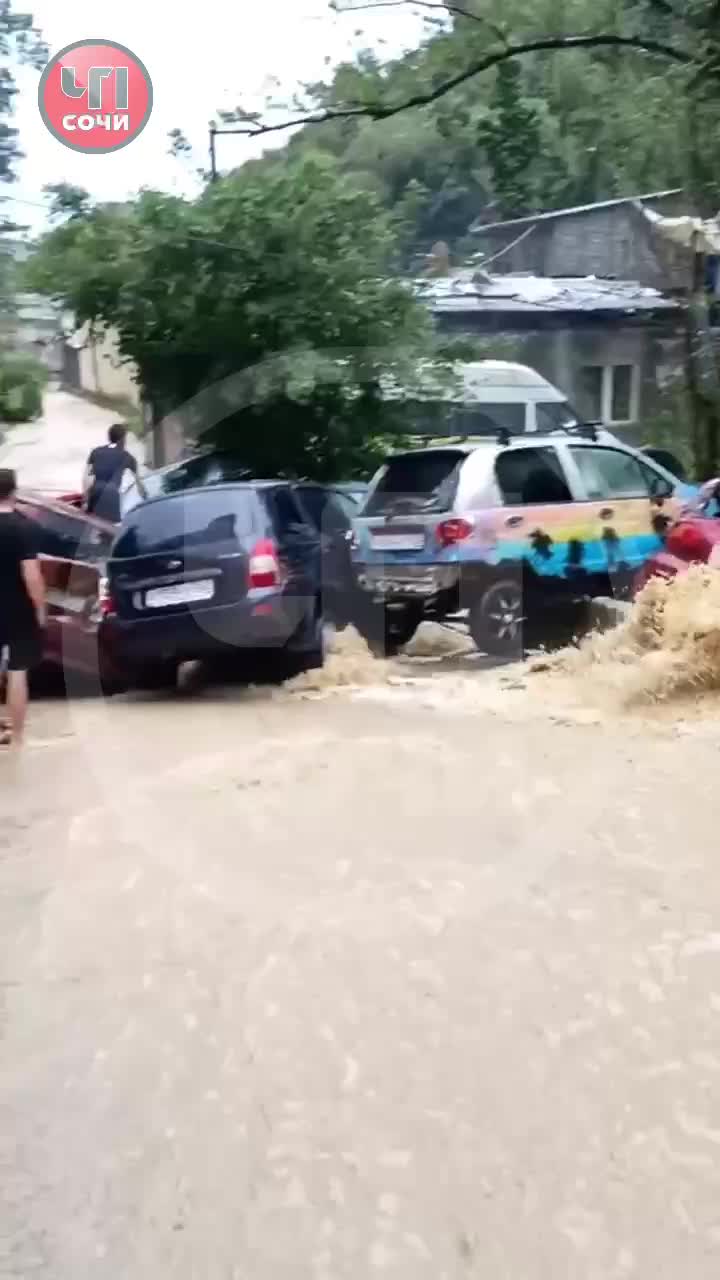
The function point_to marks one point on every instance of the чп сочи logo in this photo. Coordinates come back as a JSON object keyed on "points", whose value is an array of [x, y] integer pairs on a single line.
{"points": [[95, 96]]}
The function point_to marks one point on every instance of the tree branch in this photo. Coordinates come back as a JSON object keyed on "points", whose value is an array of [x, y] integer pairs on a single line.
{"points": [[383, 111]]}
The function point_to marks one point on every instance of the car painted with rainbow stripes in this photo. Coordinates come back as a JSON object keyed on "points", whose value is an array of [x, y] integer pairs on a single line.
{"points": [[506, 528]]}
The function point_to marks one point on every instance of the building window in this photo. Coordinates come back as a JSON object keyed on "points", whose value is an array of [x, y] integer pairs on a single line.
{"points": [[610, 393]]}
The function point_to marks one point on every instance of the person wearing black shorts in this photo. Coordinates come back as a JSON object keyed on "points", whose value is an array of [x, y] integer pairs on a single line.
{"points": [[104, 472], [22, 608]]}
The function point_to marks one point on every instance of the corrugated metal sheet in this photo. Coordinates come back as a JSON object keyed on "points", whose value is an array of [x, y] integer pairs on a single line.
{"points": [[475, 291]]}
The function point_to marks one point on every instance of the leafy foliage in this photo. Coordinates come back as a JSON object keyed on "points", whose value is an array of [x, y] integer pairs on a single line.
{"points": [[510, 138], [559, 126], [20, 41], [264, 312], [22, 382], [67, 200]]}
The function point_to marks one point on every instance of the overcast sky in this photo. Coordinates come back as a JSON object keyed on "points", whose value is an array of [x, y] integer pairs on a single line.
{"points": [[227, 53]]}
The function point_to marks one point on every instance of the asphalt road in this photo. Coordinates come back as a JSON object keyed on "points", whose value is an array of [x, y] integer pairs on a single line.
{"points": [[378, 984]]}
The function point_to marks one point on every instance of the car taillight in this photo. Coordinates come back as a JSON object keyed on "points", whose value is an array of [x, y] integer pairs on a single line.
{"points": [[106, 601], [264, 569], [452, 531]]}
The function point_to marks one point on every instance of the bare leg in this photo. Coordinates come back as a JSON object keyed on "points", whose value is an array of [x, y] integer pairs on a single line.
{"points": [[17, 703]]}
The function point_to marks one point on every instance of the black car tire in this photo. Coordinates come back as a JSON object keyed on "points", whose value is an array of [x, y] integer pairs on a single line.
{"points": [[387, 631], [110, 686], [400, 627], [498, 617], [155, 677], [309, 654], [290, 664]]}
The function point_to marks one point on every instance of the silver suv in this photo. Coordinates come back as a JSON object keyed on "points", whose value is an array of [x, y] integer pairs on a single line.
{"points": [[506, 528]]}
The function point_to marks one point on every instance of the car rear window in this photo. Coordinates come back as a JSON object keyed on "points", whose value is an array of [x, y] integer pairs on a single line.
{"points": [[200, 519], [417, 482]]}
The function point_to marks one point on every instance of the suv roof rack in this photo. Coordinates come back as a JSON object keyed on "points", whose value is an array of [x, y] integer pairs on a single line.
{"points": [[588, 430], [503, 436]]}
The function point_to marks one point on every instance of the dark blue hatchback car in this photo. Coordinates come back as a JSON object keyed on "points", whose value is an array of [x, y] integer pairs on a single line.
{"points": [[213, 574]]}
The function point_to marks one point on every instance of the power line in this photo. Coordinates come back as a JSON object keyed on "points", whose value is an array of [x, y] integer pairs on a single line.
{"points": [[189, 235], [33, 204]]}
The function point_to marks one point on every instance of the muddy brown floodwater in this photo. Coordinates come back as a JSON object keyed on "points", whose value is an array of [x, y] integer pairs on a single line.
{"points": [[414, 977]]}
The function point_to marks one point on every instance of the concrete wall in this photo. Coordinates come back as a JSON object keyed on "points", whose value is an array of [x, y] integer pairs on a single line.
{"points": [[656, 353], [34, 329], [613, 242], [101, 370]]}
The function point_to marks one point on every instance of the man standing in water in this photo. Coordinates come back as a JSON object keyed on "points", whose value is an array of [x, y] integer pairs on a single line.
{"points": [[22, 609], [104, 472]]}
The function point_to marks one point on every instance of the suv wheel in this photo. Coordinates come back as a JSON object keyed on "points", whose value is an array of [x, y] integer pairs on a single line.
{"points": [[156, 676], [389, 630], [310, 656], [498, 617]]}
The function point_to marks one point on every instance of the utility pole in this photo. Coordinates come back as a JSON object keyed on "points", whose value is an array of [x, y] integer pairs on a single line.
{"points": [[213, 134]]}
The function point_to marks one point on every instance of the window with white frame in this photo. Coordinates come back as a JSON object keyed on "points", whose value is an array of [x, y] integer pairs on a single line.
{"points": [[609, 393]]}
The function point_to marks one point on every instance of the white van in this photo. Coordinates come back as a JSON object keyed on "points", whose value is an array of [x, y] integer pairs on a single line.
{"points": [[485, 396]]}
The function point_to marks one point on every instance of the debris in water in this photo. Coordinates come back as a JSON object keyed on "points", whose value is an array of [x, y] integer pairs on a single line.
{"points": [[349, 663], [431, 640], [669, 645]]}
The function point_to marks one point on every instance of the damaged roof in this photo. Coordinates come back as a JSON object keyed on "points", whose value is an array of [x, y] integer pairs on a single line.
{"points": [[471, 290]]}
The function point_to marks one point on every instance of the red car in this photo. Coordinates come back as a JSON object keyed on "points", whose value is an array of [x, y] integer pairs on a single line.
{"points": [[694, 538], [73, 550]]}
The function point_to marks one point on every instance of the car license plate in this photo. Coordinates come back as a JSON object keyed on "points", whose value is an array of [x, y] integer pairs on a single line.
{"points": [[180, 593], [397, 541]]}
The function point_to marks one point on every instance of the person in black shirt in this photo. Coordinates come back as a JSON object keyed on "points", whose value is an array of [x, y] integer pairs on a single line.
{"points": [[22, 608], [104, 471]]}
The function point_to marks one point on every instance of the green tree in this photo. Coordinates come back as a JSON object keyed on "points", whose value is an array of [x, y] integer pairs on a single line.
{"points": [[620, 96], [67, 200], [510, 137], [593, 105], [20, 41], [264, 313], [20, 386]]}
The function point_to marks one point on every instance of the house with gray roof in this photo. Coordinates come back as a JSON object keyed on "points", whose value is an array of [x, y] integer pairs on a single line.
{"points": [[612, 346]]}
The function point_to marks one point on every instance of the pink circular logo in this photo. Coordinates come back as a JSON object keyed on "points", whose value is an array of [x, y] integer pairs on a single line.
{"points": [[95, 96]]}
